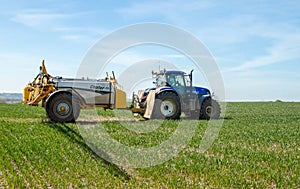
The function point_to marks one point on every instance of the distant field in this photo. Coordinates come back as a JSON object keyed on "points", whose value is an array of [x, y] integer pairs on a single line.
{"points": [[258, 147]]}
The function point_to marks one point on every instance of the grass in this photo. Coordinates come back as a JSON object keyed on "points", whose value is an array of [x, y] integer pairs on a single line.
{"points": [[258, 147]]}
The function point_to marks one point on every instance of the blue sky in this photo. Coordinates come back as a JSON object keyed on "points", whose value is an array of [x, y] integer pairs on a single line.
{"points": [[256, 44]]}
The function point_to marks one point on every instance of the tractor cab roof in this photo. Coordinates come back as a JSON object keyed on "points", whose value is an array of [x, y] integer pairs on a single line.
{"points": [[167, 72], [174, 72]]}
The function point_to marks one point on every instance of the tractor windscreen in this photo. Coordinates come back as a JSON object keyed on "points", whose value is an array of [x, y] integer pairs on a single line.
{"points": [[175, 80]]}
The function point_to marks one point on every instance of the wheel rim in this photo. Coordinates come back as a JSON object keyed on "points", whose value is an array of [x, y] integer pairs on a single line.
{"points": [[209, 110], [167, 108], [63, 109]]}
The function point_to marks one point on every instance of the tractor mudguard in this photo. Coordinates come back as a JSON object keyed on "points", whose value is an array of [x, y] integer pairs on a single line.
{"points": [[202, 98], [164, 89], [202, 91]]}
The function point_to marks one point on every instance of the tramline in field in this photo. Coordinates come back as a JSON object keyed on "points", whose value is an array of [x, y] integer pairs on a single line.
{"points": [[173, 94]]}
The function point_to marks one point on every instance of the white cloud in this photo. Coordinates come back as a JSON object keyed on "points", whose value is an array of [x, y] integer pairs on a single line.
{"points": [[162, 7], [286, 48], [55, 21], [49, 17], [278, 41], [73, 37], [78, 29], [37, 18], [174, 11]]}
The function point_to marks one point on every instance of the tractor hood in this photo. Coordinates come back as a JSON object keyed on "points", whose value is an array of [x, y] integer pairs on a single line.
{"points": [[202, 90]]}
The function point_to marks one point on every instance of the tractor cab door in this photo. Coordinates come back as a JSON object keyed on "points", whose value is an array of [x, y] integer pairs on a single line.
{"points": [[177, 81]]}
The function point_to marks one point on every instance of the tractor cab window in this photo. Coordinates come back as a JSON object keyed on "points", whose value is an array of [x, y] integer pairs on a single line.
{"points": [[187, 80], [171, 80], [176, 81], [180, 80]]}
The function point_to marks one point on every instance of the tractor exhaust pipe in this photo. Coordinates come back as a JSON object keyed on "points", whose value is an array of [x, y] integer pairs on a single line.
{"points": [[191, 81]]}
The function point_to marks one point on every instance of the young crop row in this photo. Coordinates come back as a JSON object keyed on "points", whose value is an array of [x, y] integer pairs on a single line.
{"points": [[257, 147]]}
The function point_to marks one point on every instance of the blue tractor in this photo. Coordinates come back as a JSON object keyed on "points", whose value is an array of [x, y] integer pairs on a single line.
{"points": [[173, 94]]}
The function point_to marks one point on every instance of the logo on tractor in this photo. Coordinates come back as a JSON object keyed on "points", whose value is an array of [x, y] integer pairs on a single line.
{"points": [[98, 87]]}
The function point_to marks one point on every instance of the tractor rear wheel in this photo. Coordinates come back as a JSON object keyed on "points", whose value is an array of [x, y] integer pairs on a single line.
{"points": [[210, 109], [60, 108], [167, 106]]}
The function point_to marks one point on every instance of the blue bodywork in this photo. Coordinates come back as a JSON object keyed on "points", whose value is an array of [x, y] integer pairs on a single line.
{"points": [[195, 102], [202, 91]]}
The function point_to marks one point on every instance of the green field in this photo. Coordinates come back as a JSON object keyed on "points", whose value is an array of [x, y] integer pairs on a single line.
{"points": [[258, 147]]}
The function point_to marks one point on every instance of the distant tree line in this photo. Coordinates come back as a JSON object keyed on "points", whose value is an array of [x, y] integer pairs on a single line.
{"points": [[10, 97]]}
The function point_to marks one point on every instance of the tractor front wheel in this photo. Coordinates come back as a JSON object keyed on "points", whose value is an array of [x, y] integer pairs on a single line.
{"points": [[60, 108], [167, 106]]}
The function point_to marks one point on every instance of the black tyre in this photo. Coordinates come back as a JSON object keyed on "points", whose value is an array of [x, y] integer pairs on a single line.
{"points": [[210, 109], [167, 106], [60, 108]]}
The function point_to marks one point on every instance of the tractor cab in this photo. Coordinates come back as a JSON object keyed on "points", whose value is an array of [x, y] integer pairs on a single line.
{"points": [[178, 80]]}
